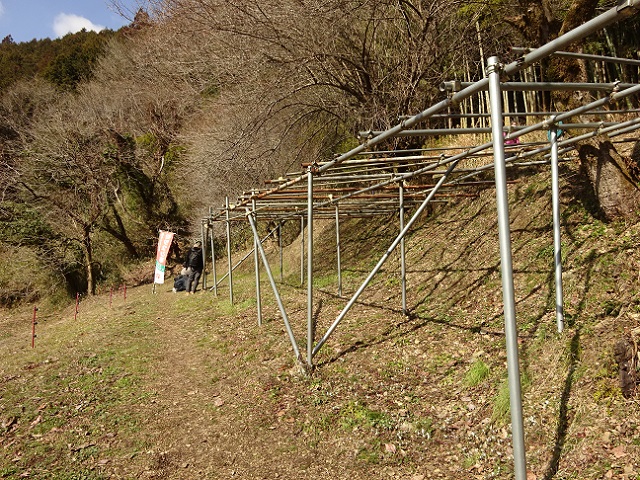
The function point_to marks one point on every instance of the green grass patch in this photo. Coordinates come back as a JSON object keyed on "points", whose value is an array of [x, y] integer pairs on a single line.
{"points": [[501, 403], [477, 373], [325, 281], [356, 415]]}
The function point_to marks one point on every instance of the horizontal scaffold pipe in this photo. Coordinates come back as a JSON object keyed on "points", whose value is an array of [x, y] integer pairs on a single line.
{"points": [[329, 213], [360, 200], [525, 114], [465, 131], [429, 149], [625, 130], [318, 191], [450, 86], [234, 215], [584, 56]]}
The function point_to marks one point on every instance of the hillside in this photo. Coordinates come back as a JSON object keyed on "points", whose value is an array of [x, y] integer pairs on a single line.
{"points": [[170, 386], [107, 138]]}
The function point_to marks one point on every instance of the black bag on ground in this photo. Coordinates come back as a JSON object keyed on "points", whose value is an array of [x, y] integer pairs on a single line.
{"points": [[180, 283]]}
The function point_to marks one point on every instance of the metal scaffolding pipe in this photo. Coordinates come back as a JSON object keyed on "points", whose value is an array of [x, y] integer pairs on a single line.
{"points": [[450, 86], [609, 131], [585, 56], [508, 296], [430, 149], [301, 250], [203, 239], [384, 258], [403, 266], [310, 323], [280, 250], [466, 131], [630, 128], [256, 261], [511, 114], [230, 267], [338, 251], [296, 201], [622, 9], [213, 265], [557, 246], [276, 294]]}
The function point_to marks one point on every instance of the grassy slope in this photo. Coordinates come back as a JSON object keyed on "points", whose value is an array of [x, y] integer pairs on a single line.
{"points": [[176, 386]]}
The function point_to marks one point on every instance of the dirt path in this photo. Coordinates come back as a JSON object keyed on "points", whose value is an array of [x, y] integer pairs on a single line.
{"points": [[231, 404]]}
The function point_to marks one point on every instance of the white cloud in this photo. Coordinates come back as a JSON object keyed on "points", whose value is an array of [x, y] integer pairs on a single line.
{"points": [[69, 23], [1, 9]]}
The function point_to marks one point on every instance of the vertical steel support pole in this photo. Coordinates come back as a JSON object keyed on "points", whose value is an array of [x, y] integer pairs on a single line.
{"points": [[256, 259], [229, 251], [403, 266], [557, 254], [301, 250], [204, 230], [310, 325], [280, 250], [508, 296], [267, 269], [338, 251], [213, 265]]}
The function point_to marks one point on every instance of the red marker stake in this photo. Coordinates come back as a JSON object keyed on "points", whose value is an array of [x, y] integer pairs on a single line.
{"points": [[33, 328]]}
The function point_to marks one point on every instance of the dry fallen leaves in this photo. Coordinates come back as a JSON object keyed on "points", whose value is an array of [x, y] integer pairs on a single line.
{"points": [[619, 451]]}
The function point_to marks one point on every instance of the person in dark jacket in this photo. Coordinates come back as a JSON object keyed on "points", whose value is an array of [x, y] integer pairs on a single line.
{"points": [[194, 265]]}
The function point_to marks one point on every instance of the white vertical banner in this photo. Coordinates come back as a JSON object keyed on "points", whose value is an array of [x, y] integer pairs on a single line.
{"points": [[164, 243]]}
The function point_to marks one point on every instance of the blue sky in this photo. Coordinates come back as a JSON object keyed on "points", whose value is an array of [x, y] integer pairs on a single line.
{"points": [[25, 20]]}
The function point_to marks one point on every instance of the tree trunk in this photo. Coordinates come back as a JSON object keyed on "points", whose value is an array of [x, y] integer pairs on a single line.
{"points": [[613, 177], [563, 69], [88, 260], [120, 233]]}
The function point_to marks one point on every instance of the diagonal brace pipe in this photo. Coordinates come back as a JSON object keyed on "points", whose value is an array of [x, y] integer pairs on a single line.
{"points": [[283, 312], [384, 258]]}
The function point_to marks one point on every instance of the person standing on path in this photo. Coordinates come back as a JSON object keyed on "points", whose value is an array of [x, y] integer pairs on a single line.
{"points": [[194, 265]]}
